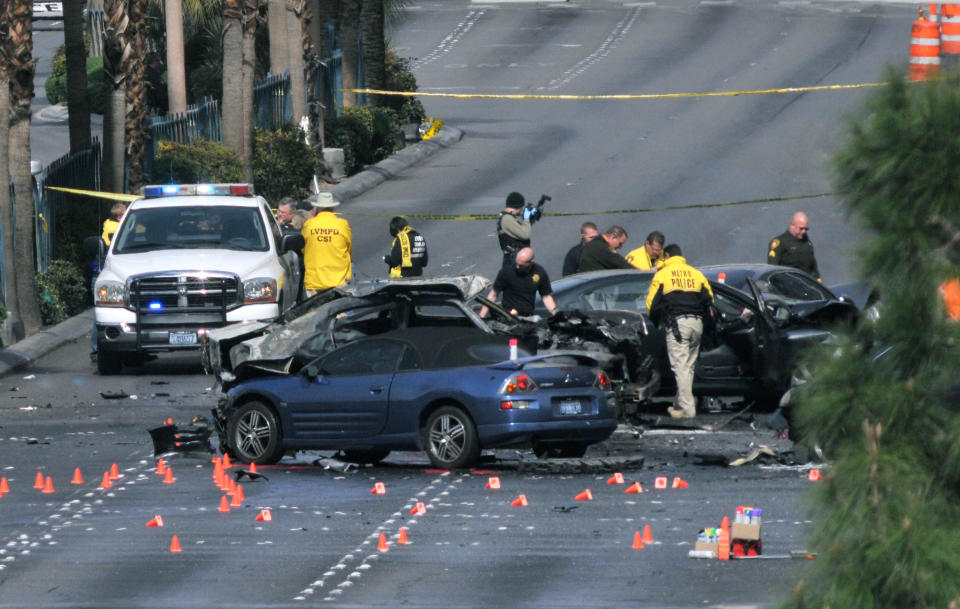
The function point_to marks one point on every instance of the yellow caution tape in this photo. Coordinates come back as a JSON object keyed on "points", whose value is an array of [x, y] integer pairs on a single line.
{"points": [[624, 96], [43, 221], [113, 196], [637, 210]]}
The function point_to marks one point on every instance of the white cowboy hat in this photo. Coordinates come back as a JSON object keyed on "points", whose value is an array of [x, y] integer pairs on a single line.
{"points": [[324, 200]]}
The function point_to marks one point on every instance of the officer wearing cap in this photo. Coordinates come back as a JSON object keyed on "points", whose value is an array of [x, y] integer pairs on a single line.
{"points": [[513, 228], [328, 246], [793, 247], [679, 299]]}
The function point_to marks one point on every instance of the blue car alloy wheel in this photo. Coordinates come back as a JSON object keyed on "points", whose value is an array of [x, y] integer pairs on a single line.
{"points": [[451, 438], [254, 434]]}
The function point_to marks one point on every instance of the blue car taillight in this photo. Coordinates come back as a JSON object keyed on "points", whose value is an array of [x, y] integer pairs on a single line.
{"points": [[603, 381], [520, 382]]}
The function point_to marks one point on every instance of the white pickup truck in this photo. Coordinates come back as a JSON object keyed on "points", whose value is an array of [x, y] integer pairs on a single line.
{"points": [[186, 259]]}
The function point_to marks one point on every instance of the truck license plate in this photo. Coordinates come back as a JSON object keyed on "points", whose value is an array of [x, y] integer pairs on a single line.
{"points": [[183, 338], [570, 407]]}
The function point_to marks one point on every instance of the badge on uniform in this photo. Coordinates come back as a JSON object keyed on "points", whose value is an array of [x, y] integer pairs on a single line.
{"points": [[535, 278]]}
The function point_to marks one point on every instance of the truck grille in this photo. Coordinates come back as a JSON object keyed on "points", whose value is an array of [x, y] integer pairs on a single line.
{"points": [[172, 294]]}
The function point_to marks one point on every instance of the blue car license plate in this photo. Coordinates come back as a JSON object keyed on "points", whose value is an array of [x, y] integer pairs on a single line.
{"points": [[570, 407], [183, 338]]}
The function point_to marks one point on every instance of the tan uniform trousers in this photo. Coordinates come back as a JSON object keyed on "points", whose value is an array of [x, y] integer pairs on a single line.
{"points": [[683, 359]]}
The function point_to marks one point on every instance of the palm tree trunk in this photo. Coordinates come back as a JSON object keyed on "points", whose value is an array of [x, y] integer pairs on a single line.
{"points": [[21, 95], [78, 102], [251, 20], [294, 41], [277, 31], [6, 216], [374, 48], [116, 55], [176, 72], [349, 21], [231, 109], [135, 123]]}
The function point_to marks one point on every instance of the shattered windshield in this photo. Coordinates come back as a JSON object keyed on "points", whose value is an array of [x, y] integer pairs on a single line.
{"points": [[182, 227]]}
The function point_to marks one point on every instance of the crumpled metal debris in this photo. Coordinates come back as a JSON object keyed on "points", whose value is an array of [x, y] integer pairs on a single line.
{"points": [[334, 464], [173, 438]]}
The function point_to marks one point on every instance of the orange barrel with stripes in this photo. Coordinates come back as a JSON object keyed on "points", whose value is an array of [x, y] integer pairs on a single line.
{"points": [[924, 48], [950, 30]]}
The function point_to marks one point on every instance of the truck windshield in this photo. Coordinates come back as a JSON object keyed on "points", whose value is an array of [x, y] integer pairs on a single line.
{"points": [[182, 227]]}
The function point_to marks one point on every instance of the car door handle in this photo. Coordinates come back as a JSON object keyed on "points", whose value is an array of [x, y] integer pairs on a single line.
{"points": [[376, 390]]}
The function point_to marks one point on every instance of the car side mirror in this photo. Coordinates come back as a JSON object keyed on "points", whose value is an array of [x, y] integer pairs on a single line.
{"points": [[291, 243], [781, 314], [312, 372]]}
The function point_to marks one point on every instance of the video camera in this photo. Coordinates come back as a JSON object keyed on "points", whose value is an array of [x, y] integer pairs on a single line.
{"points": [[533, 212]]}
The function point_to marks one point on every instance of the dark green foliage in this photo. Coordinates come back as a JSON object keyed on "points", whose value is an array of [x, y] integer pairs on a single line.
{"points": [[283, 164], [352, 131], [62, 291], [884, 402], [400, 78], [201, 161], [56, 85], [387, 135]]}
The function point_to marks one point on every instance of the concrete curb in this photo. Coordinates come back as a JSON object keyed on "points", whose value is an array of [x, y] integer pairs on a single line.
{"points": [[388, 168], [35, 346], [32, 348]]}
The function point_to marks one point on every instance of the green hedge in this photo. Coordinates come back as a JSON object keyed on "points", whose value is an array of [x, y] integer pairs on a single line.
{"points": [[56, 85], [62, 291], [366, 136], [283, 164], [400, 78], [202, 161]]}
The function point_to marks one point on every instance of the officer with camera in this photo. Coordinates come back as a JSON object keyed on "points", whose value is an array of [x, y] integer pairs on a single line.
{"points": [[514, 225]]}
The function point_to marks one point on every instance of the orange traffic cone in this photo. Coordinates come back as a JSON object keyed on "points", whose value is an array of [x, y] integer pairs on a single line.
{"points": [[660, 482], [168, 476], [420, 509], [584, 495], [925, 48], [114, 472], [161, 467], [4, 486], [725, 524], [48, 485], [815, 475], [378, 489], [647, 534], [237, 497], [264, 515], [634, 488], [169, 421], [253, 467], [723, 545], [38, 483], [382, 544], [215, 459], [106, 481], [519, 501], [77, 478], [403, 536], [637, 541], [231, 484], [217, 472], [493, 482], [174, 544], [617, 478], [156, 521], [679, 482], [226, 461], [224, 505]]}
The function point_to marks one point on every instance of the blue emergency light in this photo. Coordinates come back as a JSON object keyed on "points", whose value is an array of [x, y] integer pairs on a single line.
{"points": [[155, 306]]}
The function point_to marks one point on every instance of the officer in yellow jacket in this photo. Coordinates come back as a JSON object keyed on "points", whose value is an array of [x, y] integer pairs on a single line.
{"points": [[649, 256], [679, 300], [328, 246]]}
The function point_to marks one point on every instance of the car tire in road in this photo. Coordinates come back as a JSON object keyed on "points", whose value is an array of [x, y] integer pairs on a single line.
{"points": [[108, 363], [253, 434], [450, 438], [567, 450], [365, 457]]}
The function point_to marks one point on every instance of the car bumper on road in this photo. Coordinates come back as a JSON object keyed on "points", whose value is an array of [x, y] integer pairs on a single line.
{"points": [[582, 431]]}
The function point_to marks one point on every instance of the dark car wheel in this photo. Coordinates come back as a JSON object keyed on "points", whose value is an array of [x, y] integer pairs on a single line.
{"points": [[566, 450], [253, 434], [451, 438], [365, 457], [108, 363]]}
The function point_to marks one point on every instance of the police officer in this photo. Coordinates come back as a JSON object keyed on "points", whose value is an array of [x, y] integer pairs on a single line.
{"points": [[602, 253], [679, 299], [519, 284], [588, 232], [289, 217], [328, 245], [649, 256], [408, 254], [793, 247], [513, 228]]}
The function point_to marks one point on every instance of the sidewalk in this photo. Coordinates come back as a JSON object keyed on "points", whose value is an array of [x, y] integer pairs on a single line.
{"points": [[23, 353]]}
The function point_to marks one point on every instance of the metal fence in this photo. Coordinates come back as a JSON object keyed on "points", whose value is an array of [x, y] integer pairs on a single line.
{"points": [[199, 121], [272, 105]]}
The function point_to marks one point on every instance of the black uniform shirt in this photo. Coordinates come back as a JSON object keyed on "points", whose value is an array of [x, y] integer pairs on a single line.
{"points": [[519, 290], [787, 250], [597, 255]]}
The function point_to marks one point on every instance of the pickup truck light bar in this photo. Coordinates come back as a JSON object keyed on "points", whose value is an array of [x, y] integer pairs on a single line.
{"points": [[179, 190]]}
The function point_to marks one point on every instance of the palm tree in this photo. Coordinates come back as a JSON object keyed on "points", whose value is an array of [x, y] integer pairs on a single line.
{"points": [[116, 57], [231, 108], [251, 21], [6, 219], [176, 72], [78, 102], [20, 40], [295, 15], [277, 33], [349, 19], [135, 119], [374, 47]]}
